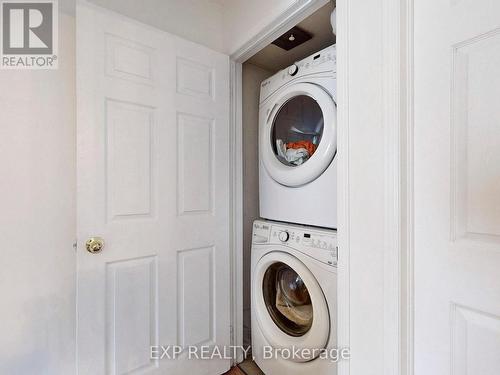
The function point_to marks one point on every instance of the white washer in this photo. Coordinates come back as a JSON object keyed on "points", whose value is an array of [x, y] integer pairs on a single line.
{"points": [[298, 105], [294, 298]]}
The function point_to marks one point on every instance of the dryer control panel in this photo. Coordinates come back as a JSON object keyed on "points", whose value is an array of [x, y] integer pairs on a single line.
{"points": [[320, 244], [321, 66]]}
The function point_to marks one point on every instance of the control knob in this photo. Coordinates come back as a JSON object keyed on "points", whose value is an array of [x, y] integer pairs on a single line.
{"points": [[293, 69], [283, 236]]}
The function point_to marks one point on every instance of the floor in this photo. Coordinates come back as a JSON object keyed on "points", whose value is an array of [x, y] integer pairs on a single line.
{"points": [[235, 371], [245, 368]]}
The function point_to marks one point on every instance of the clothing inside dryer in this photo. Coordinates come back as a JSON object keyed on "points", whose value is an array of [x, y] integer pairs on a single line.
{"points": [[287, 300], [297, 130]]}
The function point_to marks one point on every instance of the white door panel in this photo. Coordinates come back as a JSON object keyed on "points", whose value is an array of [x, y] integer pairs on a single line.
{"points": [[457, 187], [153, 182]]}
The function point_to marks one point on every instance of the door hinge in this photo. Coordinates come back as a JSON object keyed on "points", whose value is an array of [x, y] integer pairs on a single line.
{"points": [[75, 245]]}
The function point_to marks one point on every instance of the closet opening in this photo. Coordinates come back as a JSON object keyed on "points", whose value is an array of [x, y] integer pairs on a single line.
{"points": [[292, 143]]}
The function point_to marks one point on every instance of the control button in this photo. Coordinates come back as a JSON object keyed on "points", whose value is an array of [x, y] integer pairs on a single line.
{"points": [[284, 236], [293, 69]]}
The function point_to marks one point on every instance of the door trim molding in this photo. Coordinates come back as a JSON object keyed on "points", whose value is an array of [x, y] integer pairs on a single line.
{"points": [[236, 231], [392, 122], [397, 39], [343, 183], [407, 186], [398, 238], [396, 25]]}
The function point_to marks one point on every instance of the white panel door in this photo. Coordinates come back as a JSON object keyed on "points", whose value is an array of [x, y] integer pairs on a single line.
{"points": [[153, 182], [457, 187]]}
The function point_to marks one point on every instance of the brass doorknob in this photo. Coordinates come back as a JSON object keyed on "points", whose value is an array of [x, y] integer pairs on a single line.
{"points": [[94, 244]]}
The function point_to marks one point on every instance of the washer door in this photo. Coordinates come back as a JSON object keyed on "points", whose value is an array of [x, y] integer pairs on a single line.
{"points": [[298, 139], [289, 304]]}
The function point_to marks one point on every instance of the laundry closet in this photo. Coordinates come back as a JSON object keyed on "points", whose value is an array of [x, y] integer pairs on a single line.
{"points": [[290, 146]]}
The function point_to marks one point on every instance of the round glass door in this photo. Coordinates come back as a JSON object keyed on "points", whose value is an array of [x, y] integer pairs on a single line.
{"points": [[297, 130], [289, 305], [287, 300]]}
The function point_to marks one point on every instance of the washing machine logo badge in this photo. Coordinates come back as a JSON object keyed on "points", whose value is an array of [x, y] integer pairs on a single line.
{"points": [[261, 226]]}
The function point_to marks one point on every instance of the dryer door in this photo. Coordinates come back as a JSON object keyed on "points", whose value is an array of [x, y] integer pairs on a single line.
{"points": [[298, 135], [290, 306]]}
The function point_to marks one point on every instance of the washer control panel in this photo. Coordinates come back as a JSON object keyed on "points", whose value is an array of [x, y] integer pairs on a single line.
{"points": [[320, 244]]}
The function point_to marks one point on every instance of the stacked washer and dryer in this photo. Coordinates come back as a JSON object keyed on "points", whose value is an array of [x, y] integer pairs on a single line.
{"points": [[294, 250]]}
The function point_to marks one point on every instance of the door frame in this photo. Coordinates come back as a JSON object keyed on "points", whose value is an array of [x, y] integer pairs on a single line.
{"points": [[406, 157], [395, 23]]}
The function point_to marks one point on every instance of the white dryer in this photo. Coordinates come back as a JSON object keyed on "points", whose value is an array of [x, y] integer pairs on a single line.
{"points": [[298, 142], [294, 298]]}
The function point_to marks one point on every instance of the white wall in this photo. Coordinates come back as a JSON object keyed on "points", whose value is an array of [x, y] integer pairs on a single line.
{"points": [[251, 79], [37, 222]]}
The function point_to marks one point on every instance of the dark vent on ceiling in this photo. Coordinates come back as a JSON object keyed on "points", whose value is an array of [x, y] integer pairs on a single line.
{"points": [[292, 38]]}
